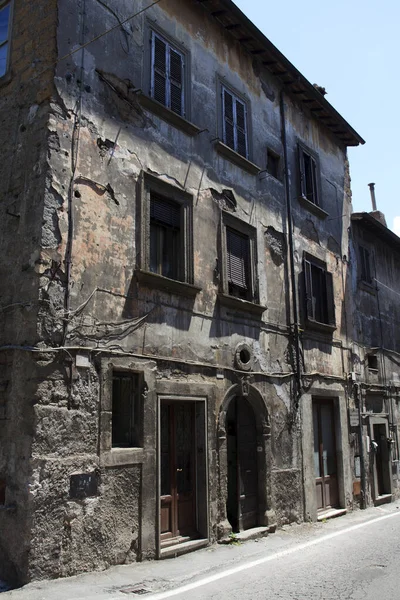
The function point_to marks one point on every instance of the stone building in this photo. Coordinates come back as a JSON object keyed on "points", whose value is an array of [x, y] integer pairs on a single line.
{"points": [[175, 336], [375, 290]]}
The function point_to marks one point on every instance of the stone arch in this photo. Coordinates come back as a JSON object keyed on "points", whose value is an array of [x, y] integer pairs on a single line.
{"points": [[266, 516]]}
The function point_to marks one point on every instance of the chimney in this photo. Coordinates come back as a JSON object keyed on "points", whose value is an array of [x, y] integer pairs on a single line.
{"points": [[377, 214], [372, 191]]}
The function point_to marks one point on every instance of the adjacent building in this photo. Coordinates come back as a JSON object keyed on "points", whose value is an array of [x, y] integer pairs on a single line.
{"points": [[177, 335], [374, 417]]}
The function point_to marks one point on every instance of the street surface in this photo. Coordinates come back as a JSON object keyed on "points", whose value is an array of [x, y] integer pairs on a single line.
{"points": [[355, 557], [357, 564]]}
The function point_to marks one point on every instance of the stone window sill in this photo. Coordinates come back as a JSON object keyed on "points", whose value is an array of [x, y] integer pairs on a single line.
{"points": [[242, 305], [121, 456], [168, 115], [6, 78], [367, 287], [169, 285], [236, 158], [316, 210], [322, 327]]}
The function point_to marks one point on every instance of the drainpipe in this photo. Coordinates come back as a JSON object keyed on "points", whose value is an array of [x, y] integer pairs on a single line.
{"points": [[358, 398], [291, 252]]}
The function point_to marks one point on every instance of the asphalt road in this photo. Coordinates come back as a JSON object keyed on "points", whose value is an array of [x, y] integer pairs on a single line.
{"points": [[355, 557], [357, 562]]}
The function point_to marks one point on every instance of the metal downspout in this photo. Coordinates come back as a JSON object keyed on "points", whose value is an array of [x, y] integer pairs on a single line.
{"points": [[291, 255], [358, 397]]}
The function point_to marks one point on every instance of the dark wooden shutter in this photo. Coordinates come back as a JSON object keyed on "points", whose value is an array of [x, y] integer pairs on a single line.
{"points": [[241, 128], [237, 258], [176, 81], [314, 171], [365, 265], [330, 298], [163, 211], [302, 175], [229, 131], [159, 69], [308, 290]]}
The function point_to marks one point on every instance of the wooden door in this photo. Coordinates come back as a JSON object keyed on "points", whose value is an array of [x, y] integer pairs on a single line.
{"points": [[178, 493], [382, 461], [325, 462], [242, 504]]}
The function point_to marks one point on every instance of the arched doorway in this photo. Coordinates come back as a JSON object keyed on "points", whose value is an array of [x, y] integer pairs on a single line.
{"points": [[242, 504]]}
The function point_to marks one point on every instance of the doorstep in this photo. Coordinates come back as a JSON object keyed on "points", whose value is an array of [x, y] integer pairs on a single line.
{"points": [[383, 499], [331, 513], [183, 548], [247, 534]]}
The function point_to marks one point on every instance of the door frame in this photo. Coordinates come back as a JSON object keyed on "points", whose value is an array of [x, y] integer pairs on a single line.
{"points": [[204, 493], [238, 453], [266, 514], [319, 403], [337, 395], [372, 421]]}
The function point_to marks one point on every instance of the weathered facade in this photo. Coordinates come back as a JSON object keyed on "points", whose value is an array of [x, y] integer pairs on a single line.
{"points": [[375, 290], [177, 340]]}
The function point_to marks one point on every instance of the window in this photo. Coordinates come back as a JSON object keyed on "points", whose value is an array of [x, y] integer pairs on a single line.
{"points": [[126, 410], [238, 263], [234, 122], [309, 176], [273, 161], [167, 74], [365, 265], [320, 306], [165, 237], [2, 492], [239, 259], [166, 233], [372, 362], [5, 14]]}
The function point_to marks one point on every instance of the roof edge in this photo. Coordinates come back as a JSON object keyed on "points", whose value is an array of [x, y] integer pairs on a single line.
{"points": [[377, 225], [310, 90]]}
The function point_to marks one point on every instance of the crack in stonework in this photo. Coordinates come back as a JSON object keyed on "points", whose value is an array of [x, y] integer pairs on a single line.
{"points": [[119, 21]]}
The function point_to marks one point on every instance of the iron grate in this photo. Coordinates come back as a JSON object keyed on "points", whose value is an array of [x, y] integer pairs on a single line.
{"points": [[138, 591]]}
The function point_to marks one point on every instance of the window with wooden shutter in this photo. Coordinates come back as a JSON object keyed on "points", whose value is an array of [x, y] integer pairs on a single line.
{"points": [[365, 263], [238, 264], [167, 74], [309, 176], [319, 294], [5, 19], [234, 122], [176, 81], [165, 237]]}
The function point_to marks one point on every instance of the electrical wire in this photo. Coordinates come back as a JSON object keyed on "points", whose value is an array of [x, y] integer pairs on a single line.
{"points": [[97, 37], [110, 351]]}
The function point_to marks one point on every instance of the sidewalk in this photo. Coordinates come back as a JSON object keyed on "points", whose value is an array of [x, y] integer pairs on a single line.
{"points": [[145, 579]]}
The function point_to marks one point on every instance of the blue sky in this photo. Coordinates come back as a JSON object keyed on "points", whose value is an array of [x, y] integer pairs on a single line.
{"points": [[352, 48]]}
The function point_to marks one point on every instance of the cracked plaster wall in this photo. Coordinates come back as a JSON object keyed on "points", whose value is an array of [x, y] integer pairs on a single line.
{"points": [[100, 138], [24, 112]]}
